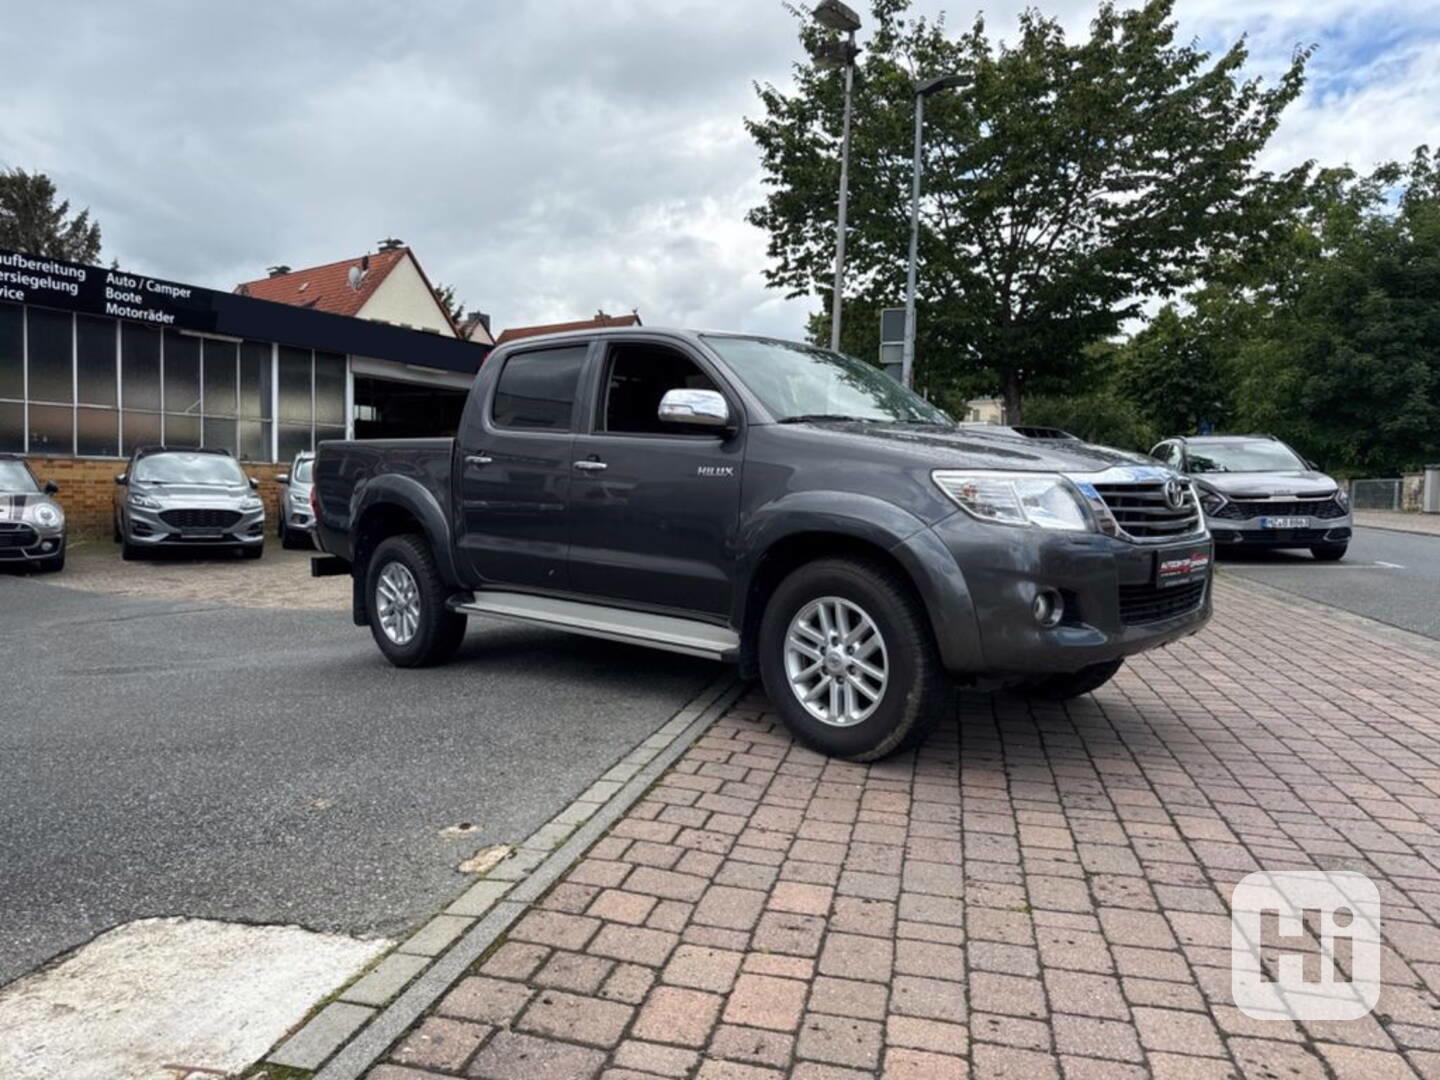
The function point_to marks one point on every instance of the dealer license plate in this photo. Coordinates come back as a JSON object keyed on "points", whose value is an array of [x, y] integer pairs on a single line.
{"points": [[1181, 567], [1284, 523]]}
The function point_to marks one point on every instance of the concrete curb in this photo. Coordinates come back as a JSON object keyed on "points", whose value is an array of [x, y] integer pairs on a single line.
{"points": [[514, 883]]}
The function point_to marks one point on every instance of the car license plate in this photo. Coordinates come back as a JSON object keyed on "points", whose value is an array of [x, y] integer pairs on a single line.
{"points": [[1284, 523], [1181, 567], [204, 534]]}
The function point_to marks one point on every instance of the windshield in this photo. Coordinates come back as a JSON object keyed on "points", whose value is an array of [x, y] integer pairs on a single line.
{"points": [[213, 469], [1257, 456], [795, 381], [14, 476], [302, 472]]}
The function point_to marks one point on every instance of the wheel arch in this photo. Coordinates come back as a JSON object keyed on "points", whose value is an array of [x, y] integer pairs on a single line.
{"points": [[392, 506], [841, 524]]}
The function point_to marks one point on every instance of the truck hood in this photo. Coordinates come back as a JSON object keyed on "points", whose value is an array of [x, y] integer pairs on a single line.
{"points": [[969, 448], [1261, 485]]}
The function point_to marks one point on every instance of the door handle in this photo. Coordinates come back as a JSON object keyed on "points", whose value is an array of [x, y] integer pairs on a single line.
{"points": [[591, 466], [477, 459]]}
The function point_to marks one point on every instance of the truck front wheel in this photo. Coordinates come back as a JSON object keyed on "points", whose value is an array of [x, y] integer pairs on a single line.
{"points": [[848, 660], [408, 616]]}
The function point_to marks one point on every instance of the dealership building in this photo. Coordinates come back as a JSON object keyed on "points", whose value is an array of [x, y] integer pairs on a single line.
{"points": [[95, 362]]}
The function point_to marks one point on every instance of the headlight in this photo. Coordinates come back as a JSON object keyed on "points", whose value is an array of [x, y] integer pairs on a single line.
{"points": [[250, 504], [1042, 499], [1210, 501], [143, 502], [1343, 498], [299, 500], [47, 515]]}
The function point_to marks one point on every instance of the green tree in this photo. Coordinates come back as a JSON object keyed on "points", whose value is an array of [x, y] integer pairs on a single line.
{"points": [[1065, 185], [445, 297], [31, 221], [1341, 355], [1175, 372]]}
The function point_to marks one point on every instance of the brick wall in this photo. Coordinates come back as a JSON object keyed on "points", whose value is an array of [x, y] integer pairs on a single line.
{"points": [[87, 490]]}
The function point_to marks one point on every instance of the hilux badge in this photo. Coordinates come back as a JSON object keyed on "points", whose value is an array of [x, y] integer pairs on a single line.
{"points": [[715, 470]]}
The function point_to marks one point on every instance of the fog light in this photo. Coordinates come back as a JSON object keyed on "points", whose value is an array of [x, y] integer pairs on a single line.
{"points": [[47, 545], [1048, 608]]}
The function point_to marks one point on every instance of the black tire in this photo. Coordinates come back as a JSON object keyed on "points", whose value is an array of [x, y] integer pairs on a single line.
{"points": [[115, 528], [916, 689], [291, 540], [253, 552], [440, 630], [130, 552], [1074, 683], [1330, 552], [54, 564], [280, 528]]}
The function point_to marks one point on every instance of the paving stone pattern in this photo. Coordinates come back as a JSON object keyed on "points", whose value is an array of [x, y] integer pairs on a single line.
{"points": [[1040, 891]]}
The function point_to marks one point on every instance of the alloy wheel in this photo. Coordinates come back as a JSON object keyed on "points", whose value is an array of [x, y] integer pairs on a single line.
{"points": [[836, 662], [397, 603]]}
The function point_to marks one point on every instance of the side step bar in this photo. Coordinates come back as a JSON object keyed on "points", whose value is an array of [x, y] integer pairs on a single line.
{"points": [[614, 624]]}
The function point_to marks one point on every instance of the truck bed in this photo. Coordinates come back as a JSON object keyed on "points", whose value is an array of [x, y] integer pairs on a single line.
{"points": [[346, 468]]}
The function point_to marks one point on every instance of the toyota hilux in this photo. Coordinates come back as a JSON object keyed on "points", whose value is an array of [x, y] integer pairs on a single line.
{"points": [[772, 504]]}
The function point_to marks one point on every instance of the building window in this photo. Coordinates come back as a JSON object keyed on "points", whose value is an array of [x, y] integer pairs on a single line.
{"points": [[12, 378], [49, 345], [256, 375], [93, 386]]}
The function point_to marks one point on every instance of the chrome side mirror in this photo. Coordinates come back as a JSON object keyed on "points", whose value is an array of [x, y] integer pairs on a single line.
{"points": [[701, 408], [283, 478]]}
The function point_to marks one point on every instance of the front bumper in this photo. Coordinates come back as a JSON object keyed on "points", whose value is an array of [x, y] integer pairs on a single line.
{"points": [[1255, 534], [150, 528], [25, 542], [1113, 606], [297, 519]]}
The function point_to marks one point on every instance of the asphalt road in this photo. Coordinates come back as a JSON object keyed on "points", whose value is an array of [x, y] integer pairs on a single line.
{"points": [[161, 758], [1393, 577]]}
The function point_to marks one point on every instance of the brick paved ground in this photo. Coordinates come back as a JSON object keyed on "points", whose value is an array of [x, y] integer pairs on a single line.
{"points": [[1427, 524], [1039, 891], [280, 579]]}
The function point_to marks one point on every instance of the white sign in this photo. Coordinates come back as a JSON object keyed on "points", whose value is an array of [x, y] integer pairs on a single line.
{"points": [[1305, 945]]}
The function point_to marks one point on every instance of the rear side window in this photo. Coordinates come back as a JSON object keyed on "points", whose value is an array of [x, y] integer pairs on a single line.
{"points": [[536, 391]]}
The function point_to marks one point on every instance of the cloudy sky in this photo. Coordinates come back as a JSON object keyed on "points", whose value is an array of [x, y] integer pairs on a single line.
{"points": [[548, 157]]}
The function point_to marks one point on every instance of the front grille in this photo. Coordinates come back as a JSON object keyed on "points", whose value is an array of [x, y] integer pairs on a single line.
{"points": [[1245, 509], [200, 519], [1140, 604], [17, 535], [1142, 512]]}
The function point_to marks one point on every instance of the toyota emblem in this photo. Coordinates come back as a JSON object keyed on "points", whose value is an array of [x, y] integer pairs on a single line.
{"points": [[1174, 494]]}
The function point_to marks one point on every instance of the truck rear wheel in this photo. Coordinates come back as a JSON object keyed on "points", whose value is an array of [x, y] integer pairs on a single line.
{"points": [[848, 660], [406, 599]]}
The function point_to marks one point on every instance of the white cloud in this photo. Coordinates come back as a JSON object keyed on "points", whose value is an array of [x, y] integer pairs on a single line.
{"points": [[546, 158]]}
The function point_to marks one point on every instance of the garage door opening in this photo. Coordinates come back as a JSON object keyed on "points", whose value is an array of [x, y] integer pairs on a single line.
{"points": [[389, 409]]}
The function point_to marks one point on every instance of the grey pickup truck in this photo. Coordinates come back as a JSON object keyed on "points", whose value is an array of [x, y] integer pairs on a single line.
{"points": [[771, 504]]}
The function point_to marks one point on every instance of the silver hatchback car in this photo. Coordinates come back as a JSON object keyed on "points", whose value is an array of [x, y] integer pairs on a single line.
{"points": [[174, 498], [32, 525], [296, 528]]}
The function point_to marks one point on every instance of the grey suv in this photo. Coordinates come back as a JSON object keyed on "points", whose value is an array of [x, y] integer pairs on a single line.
{"points": [[296, 526], [187, 498], [32, 525], [1259, 493]]}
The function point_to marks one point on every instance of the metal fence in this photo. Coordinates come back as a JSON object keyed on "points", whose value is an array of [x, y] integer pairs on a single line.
{"points": [[1376, 494]]}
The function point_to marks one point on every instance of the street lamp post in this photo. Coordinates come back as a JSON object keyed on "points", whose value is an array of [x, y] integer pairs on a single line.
{"points": [[922, 91], [834, 15]]}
